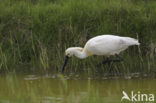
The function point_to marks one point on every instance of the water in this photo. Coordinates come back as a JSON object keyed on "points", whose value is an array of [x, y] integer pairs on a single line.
{"points": [[56, 88]]}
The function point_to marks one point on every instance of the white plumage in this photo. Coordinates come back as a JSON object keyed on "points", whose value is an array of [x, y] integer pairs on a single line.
{"points": [[102, 45]]}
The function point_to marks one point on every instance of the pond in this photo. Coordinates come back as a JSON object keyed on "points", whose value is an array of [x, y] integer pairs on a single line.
{"points": [[72, 88]]}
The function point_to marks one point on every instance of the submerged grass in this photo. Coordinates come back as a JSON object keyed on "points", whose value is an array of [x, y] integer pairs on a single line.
{"points": [[35, 33]]}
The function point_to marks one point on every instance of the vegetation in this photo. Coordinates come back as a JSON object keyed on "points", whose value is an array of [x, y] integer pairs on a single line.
{"points": [[35, 33]]}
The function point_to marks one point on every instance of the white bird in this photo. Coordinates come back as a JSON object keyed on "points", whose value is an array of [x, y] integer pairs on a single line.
{"points": [[105, 45]]}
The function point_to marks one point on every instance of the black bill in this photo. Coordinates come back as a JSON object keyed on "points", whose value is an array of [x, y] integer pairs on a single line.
{"points": [[65, 62]]}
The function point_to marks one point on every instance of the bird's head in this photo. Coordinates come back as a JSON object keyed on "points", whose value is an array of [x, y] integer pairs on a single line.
{"points": [[70, 52]]}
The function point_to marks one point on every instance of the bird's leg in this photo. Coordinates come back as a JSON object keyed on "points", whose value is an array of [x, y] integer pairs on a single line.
{"points": [[110, 72], [107, 60], [117, 60], [111, 61], [104, 62]]}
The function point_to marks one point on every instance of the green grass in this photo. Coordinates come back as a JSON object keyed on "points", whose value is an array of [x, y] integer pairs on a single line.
{"points": [[35, 33]]}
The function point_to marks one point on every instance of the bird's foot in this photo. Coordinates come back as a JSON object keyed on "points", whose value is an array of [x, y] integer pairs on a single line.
{"points": [[119, 58], [104, 62], [109, 61]]}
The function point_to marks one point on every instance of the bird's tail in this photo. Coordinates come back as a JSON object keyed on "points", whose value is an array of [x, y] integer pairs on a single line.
{"points": [[132, 41], [136, 42]]}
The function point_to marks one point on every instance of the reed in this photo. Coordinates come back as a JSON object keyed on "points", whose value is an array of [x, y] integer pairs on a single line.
{"points": [[35, 33]]}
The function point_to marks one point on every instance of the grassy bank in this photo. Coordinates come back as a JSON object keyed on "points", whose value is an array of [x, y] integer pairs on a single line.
{"points": [[35, 33]]}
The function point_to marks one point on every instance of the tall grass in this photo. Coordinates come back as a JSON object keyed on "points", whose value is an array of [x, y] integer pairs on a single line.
{"points": [[35, 33]]}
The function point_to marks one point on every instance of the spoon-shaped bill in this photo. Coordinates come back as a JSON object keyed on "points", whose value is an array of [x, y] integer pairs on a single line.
{"points": [[65, 62]]}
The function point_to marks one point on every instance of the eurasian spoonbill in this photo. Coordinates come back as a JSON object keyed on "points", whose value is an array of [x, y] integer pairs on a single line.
{"points": [[105, 45]]}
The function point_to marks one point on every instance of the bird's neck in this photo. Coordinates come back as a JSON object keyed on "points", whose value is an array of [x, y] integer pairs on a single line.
{"points": [[80, 54]]}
